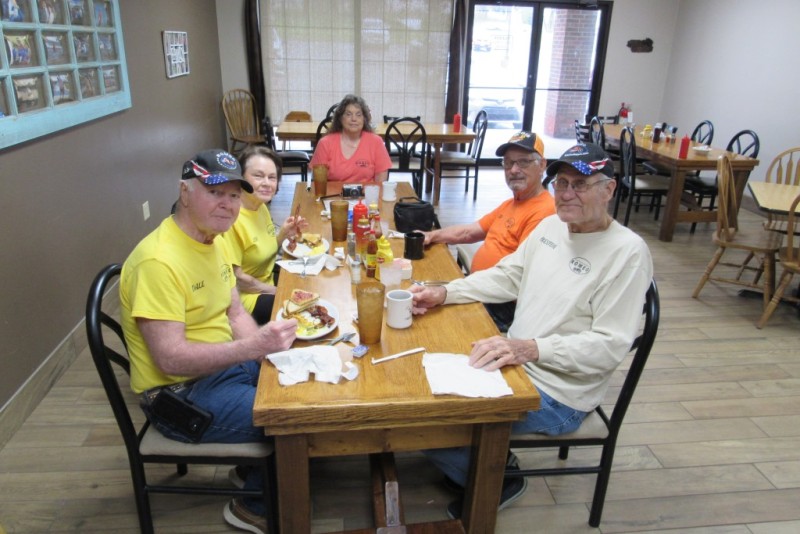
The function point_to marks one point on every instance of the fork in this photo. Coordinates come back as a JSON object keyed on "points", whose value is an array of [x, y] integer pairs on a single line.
{"points": [[305, 263]]}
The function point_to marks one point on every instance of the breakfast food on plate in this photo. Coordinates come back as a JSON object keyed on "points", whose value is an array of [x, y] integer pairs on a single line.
{"points": [[311, 317], [299, 301], [312, 241]]}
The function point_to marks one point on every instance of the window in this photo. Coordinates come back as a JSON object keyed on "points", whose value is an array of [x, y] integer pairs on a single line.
{"points": [[62, 64], [393, 54]]}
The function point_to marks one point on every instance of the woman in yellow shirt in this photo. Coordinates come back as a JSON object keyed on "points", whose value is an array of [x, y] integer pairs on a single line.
{"points": [[253, 240]]}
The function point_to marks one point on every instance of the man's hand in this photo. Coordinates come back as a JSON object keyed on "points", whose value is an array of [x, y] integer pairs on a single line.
{"points": [[426, 298], [276, 336], [498, 351]]}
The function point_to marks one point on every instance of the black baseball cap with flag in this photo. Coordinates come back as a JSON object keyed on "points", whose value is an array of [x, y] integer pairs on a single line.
{"points": [[214, 167], [586, 158]]}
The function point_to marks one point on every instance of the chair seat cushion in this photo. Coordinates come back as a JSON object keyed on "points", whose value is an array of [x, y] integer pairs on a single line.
{"points": [[294, 156], [455, 158], [592, 427], [155, 443], [652, 182]]}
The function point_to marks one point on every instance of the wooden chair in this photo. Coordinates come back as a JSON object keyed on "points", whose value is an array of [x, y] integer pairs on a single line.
{"points": [[598, 429], [450, 159], [729, 234], [406, 137], [239, 108], [782, 170], [635, 186], [146, 445], [790, 260]]}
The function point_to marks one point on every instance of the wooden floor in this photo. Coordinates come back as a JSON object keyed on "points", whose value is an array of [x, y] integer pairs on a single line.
{"points": [[711, 443]]}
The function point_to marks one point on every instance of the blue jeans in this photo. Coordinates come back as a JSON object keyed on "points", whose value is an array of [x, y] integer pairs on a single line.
{"points": [[552, 418], [229, 395]]}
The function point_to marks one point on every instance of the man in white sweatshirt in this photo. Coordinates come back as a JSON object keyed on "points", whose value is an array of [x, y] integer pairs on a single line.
{"points": [[580, 280]]}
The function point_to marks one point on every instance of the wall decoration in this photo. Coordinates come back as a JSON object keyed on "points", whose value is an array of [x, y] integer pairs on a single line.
{"points": [[642, 45], [62, 63], [176, 53]]}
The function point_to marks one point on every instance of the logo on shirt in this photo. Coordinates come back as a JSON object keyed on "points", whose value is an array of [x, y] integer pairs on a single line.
{"points": [[547, 242], [510, 223], [225, 272], [580, 266], [198, 285], [362, 163]]}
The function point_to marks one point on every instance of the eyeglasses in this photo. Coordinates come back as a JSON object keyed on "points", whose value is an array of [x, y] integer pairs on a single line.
{"points": [[521, 163], [579, 186]]}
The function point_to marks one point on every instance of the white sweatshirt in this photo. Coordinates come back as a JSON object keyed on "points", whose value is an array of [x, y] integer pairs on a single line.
{"points": [[580, 296]]}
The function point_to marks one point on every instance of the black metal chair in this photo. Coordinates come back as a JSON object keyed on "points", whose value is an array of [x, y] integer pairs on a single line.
{"points": [[406, 141], [583, 133], [323, 127], [598, 429], [289, 158], [145, 444], [631, 184], [744, 143], [331, 111], [450, 159]]}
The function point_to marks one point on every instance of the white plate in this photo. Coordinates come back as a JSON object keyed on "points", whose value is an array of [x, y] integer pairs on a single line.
{"points": [[320, 332], [702, 149], [302, 250]]}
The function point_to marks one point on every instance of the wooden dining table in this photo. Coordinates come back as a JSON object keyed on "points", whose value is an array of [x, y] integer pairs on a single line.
{"points": [[772, 197], [666, 155], [437, 134], [389, 407]]}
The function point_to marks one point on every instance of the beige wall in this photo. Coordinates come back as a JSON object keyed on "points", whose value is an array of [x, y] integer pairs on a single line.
{"points": [[72, 201]]}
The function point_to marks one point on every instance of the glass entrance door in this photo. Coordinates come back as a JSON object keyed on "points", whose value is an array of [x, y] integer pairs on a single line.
{"points": [[533, 67]]}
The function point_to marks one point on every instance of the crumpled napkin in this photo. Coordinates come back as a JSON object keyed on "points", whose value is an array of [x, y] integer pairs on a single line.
{"points": [[314, 267], [394, 234], [296, 365], [450, 374]]}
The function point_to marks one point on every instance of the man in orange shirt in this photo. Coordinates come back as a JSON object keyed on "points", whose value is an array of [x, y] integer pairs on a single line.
{"points": [[503, 229]]}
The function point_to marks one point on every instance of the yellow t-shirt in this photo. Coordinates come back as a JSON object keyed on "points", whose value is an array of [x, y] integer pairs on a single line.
{"points": [[253, 247], [171, 277]]}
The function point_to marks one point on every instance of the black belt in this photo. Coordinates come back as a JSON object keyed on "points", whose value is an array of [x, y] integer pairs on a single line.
{"points": [[152, 393]]}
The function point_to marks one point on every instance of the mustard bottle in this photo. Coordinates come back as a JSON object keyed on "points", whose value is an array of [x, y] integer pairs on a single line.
{"points": [[384, 255]]}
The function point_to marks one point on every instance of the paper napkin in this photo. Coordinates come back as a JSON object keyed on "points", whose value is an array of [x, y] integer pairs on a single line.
{"points": [[450, 374], [297, 365]]}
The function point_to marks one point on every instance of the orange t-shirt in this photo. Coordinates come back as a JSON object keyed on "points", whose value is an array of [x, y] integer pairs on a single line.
{"points": [[508, 226]]}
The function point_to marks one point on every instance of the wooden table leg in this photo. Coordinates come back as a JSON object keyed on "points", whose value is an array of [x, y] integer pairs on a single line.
{"points": [[673, 205], [294, 496], [485, 482]]}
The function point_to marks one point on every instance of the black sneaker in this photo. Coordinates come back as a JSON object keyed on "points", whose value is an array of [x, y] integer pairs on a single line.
{"points": [[513, 488]]}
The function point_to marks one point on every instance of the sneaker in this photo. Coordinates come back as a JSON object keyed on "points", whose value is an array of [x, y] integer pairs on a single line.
{"points": [[238, 516], [513, 488], [237, 475]]}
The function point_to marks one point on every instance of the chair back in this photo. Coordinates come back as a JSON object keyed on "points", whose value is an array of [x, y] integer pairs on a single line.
{"points": [[784, 169], [323, 128], [728, 207], [98, 323], [479, 127], [269, 133], [331, 111], [406, 137], [598, 132], [745, 143], [582, 132], [239, 107], [641, 347], [703, 133], [297, 116], [627, 149]]}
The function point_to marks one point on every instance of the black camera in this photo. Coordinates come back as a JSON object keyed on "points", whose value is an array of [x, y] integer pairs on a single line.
{"points": [[352, 191]]}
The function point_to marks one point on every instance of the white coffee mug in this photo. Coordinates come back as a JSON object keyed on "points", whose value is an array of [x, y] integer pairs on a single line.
{"points": [[398, 308], [389, 191]]}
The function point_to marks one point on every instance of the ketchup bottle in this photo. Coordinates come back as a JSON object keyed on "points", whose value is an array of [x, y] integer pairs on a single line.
{"points": [[623, 114], [684, 150], [359, 210], [457, 122]]}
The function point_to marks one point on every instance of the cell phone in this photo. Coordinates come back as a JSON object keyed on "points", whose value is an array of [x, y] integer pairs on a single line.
{"points": [[180, 415]]}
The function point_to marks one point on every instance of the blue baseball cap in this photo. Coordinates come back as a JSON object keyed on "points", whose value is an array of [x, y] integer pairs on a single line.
{"points": [[214, 167]]}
